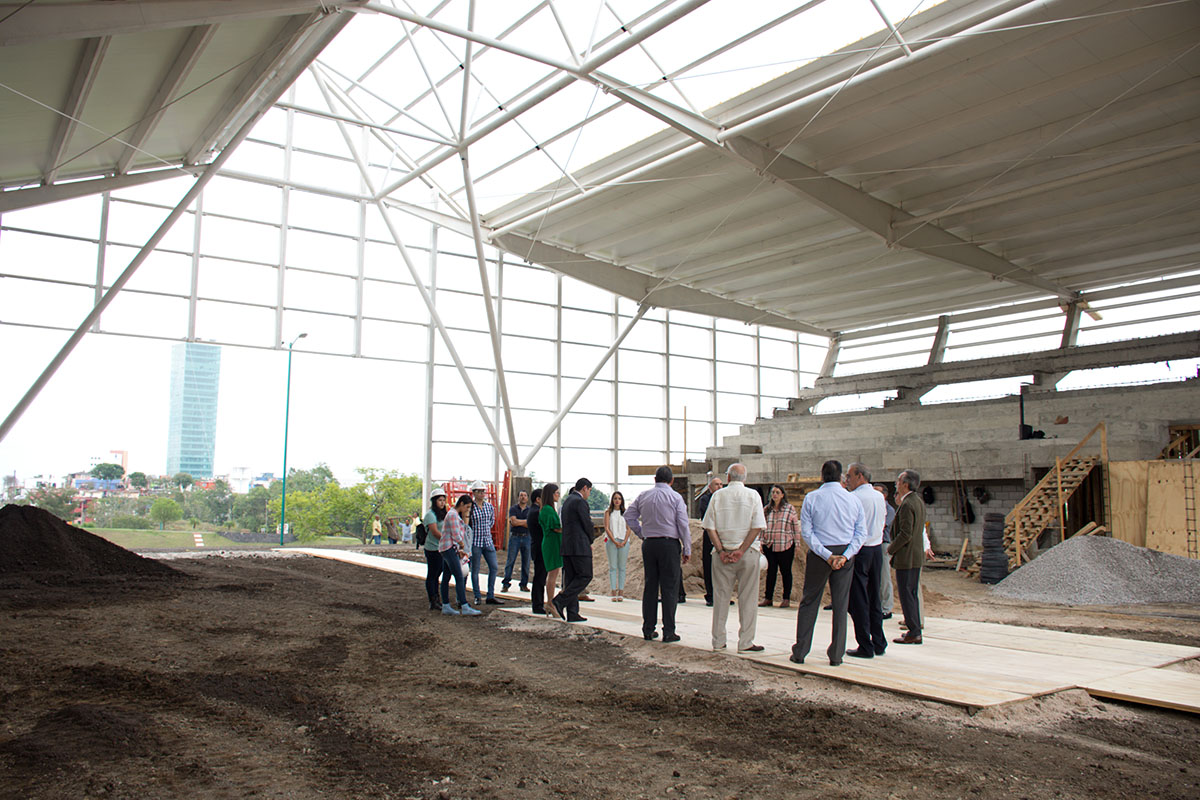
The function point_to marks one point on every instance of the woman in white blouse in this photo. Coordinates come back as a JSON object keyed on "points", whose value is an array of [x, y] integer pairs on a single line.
{"points": [[616, 544]]}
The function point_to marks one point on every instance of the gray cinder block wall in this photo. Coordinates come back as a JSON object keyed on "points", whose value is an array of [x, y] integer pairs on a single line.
{"points": [[983, 433]]}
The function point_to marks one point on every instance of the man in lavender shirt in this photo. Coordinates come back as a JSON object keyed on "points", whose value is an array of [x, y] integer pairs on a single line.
{"points": [[659, 518]]}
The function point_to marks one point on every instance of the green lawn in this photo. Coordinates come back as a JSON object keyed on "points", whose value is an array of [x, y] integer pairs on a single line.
{"points": [[164, 540]]}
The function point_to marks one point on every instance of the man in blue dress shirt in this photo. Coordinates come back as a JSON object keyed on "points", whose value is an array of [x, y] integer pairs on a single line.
{"points": [[832, 525]]}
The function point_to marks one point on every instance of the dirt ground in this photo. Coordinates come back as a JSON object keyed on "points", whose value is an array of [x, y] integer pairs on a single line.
{"points": [[305, 678]]}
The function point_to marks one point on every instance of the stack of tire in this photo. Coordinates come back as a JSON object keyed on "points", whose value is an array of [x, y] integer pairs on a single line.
{"points": [[993, 565]]}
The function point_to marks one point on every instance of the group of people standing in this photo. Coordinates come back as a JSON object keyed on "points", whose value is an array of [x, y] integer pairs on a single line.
{"points": [[846, 524], [557, 540]]}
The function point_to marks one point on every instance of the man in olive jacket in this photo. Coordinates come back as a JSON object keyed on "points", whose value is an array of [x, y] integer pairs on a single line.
{"points": [[908, 551], [577, 535]]}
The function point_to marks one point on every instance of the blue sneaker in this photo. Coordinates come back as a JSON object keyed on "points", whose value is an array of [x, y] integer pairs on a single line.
{"points": [[449, 609], [467, 611]]}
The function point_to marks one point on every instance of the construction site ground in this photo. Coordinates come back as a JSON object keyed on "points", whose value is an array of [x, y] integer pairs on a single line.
{"points": [[301, 677]]}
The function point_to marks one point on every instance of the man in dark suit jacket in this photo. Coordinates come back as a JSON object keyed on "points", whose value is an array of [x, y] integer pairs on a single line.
{"points": [[577, 535], [908, 551], [702, 502]]}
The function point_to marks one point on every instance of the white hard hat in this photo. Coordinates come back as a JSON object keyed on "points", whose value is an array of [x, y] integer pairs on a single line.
{"points": [[477, 485], [438, 492]]}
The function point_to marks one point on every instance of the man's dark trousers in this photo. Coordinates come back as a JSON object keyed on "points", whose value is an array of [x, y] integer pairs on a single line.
{"points": [[577, 574], [866, 607], [537, 589], [817, 573], [660, 558], [708, 553], [908, 586]]}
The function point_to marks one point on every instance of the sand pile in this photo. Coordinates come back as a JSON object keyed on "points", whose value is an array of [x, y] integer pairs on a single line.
{"points": [[1096, 570], [33, 541]]}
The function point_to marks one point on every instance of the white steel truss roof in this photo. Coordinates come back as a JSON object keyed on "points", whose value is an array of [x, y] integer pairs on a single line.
{"points": [[98, 96], [1022, 150], [974, 154]]}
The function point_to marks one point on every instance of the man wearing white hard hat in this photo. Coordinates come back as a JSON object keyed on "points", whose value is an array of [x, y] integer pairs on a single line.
{"points": [[483, 547]]}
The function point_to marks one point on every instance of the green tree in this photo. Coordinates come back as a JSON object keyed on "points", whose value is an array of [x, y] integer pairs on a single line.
{"points": [[108, 472], [347, 510], [250, 509], [391, 493], [309, 480], [165, 510], [597, 500], [214, 506], [138, 480], [59, 502], [306, 515], [182, 480], [106, 510]]}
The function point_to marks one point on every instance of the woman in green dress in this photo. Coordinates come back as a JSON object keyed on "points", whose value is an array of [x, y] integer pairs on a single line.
{"points": [[551, 544]]}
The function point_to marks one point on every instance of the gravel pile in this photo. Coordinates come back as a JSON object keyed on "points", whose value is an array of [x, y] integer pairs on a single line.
{"points": [[1096, 570]]}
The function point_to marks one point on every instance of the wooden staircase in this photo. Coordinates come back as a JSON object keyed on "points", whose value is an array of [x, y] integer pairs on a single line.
{"points": [[1043, 506]]}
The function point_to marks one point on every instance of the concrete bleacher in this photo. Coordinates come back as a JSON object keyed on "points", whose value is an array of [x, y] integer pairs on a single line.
{"points": [[984, 433]]}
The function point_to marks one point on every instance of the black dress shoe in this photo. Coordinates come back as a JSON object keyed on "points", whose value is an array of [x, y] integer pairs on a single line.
{"points": [[670, 637], [827, 608], [491, 601], [650, 635], [906, 639], [576, 618], [708, 603], [754, 648], [795, 660], [835, 663], [858, 652]]}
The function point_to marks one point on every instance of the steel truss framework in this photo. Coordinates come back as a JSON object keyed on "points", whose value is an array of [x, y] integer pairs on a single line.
{"points": [[395, 180]]}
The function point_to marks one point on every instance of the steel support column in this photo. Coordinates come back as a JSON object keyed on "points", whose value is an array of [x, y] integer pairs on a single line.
{"points": [[427, 472], [493, 327]]}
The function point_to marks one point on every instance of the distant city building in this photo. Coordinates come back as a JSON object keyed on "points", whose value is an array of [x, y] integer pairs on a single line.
{"points": [[262, 480], [192, 433]]}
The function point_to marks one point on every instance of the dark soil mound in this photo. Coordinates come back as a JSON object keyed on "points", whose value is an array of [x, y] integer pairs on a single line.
{"points": [[36, 541]]}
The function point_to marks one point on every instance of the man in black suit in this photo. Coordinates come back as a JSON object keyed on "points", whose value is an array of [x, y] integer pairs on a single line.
{"points": [[577, 535], [702, 501]]}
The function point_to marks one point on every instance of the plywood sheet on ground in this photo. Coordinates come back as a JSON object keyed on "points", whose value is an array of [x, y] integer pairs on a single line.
{"points": [[965, 663], [1167, 688]]}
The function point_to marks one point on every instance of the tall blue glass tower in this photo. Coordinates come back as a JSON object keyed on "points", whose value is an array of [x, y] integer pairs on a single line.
{"points": [[192, 435]]}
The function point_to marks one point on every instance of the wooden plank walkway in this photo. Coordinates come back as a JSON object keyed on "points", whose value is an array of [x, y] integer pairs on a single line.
{"points": [[963, 663]]}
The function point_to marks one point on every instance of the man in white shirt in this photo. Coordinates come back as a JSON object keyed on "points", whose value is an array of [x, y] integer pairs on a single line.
{"points": [[866, 606], [733, 521]]}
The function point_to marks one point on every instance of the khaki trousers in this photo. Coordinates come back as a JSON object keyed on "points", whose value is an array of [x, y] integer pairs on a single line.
{"points": [[746, 573]]}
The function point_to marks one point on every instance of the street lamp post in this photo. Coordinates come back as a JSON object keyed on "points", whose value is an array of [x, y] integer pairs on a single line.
{"points": [[287, 405]]}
